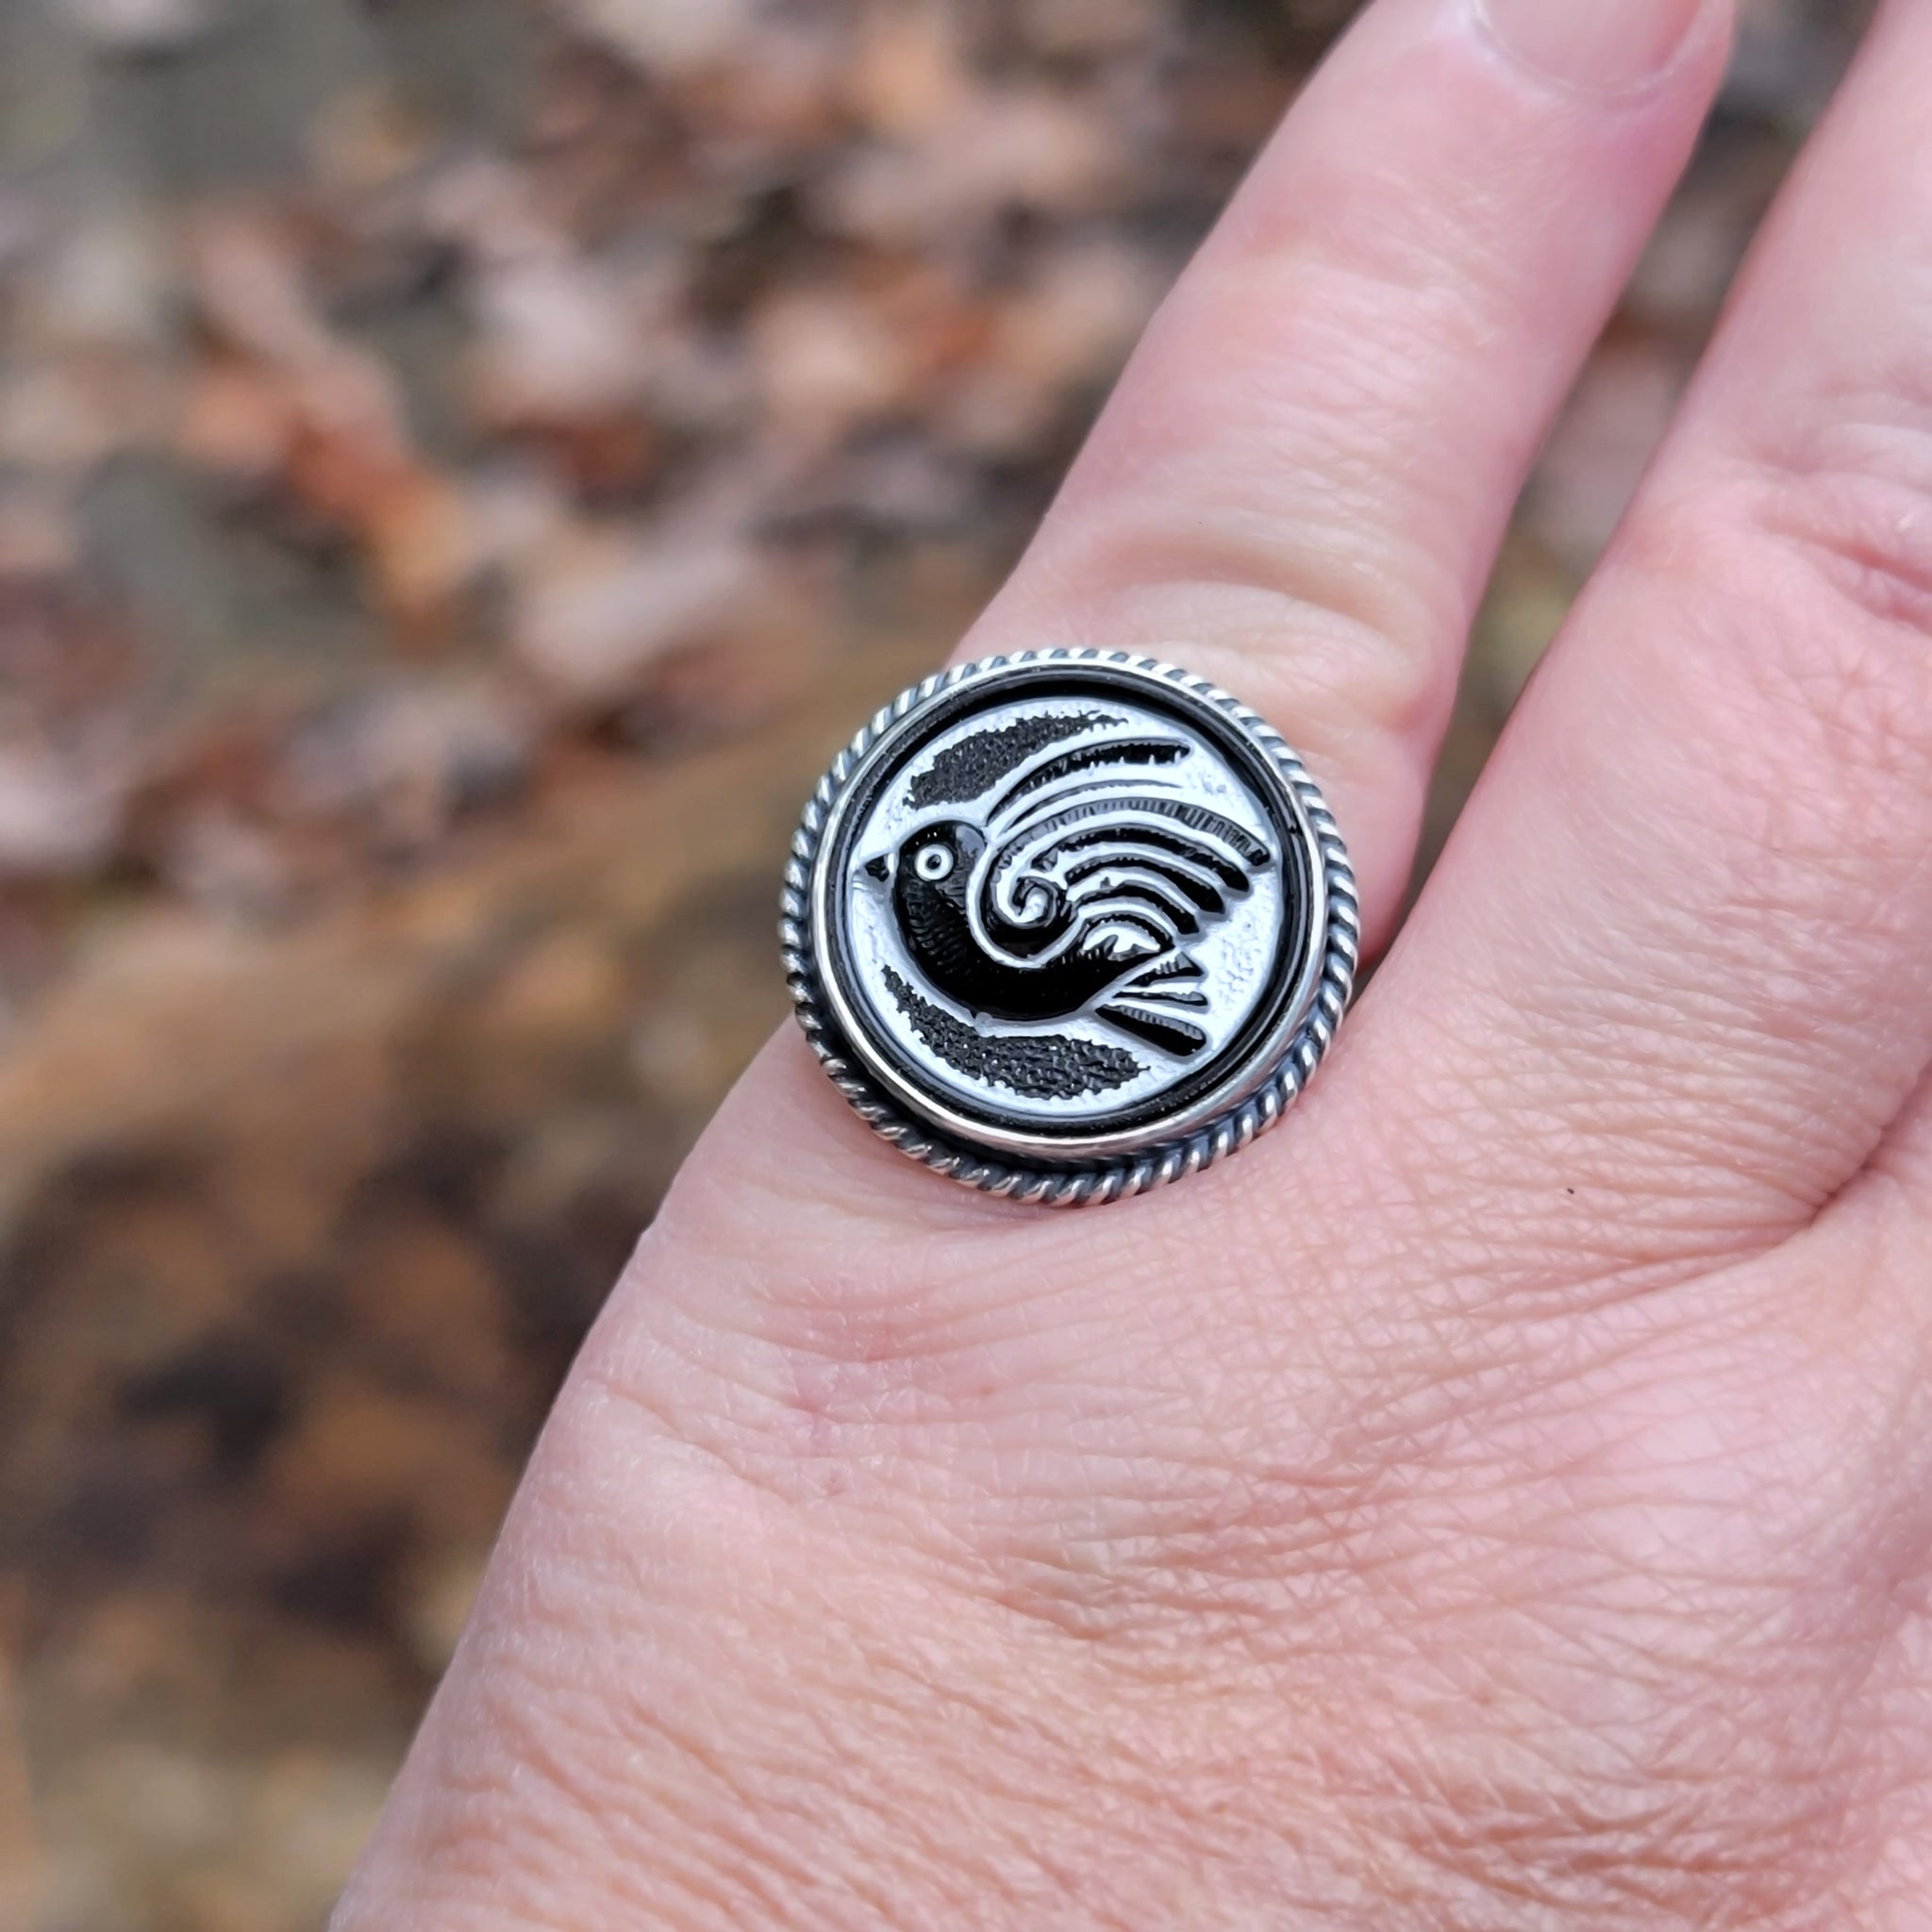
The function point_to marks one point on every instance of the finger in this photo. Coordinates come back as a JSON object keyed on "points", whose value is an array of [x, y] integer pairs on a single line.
{"points": [[1300, 483], [1688, 909], [1299, 486]]}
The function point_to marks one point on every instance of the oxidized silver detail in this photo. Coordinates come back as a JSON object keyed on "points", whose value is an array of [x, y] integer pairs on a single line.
{"points": [[1068, 924]]}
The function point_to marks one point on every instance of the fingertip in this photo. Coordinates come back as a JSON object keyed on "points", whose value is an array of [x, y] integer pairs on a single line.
{"points": [[1615, 52]]}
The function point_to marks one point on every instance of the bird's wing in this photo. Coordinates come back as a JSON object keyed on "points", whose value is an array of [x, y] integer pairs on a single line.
{"points": [[1098, 849], [1032, 790]]}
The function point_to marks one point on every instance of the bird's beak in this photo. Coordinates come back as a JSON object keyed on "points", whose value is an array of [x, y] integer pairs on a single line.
{"points": [[879, 868]]}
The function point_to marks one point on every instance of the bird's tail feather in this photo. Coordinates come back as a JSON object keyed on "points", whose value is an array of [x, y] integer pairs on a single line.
{"points": [[1171, 1034], [1174, 981]]}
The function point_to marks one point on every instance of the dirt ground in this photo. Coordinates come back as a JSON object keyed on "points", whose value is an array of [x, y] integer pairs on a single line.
{"points": [[463, 466]]}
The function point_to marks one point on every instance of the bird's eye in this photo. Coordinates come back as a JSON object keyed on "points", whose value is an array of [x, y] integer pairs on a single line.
{"points": [[934, 864]]}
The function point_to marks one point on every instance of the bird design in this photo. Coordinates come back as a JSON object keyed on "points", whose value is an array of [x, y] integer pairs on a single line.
{"points": [[1074, 887]]}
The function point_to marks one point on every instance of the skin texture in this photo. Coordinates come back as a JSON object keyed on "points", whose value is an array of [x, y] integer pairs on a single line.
{"points": [[1501, 1498]]}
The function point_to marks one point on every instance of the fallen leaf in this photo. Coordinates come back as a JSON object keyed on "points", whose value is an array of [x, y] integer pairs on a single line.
{"points": [[674, 37]]}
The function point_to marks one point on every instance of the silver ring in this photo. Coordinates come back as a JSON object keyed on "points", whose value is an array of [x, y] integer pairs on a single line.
{"points": [[1069, 924]]}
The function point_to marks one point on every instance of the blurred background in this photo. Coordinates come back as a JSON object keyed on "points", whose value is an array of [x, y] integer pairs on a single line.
{"points": [[464, 464]]}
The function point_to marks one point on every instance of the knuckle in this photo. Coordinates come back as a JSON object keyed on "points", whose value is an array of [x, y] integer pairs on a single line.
{"points": [[1267, 486], [1868, 533], [1337, 612], [1840, 500], [833, 1386], [1846, 482], [1800, 647]]}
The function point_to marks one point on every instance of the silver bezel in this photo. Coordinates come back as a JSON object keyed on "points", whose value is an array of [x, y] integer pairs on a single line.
{"points": [[1069, 1170]]}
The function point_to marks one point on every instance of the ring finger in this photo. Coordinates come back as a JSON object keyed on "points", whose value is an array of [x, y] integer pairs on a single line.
{"points": [[1677, 965], [1299, 486]]}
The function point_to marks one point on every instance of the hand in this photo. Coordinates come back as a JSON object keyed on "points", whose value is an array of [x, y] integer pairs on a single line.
{"points": [[1500, 1498]]}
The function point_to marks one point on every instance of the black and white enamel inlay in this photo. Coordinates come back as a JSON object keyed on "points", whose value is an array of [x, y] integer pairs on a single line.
{"points": [[1074, 882], [1069, 916]]}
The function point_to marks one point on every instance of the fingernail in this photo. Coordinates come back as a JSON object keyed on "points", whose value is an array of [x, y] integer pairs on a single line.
{"points": [[1597, 46]]}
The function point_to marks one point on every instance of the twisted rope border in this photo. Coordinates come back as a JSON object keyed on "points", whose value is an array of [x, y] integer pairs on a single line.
{"points": [[1087, 1183]]}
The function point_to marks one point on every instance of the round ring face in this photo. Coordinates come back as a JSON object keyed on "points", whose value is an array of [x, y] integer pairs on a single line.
{"points": [[1066, 908]]}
